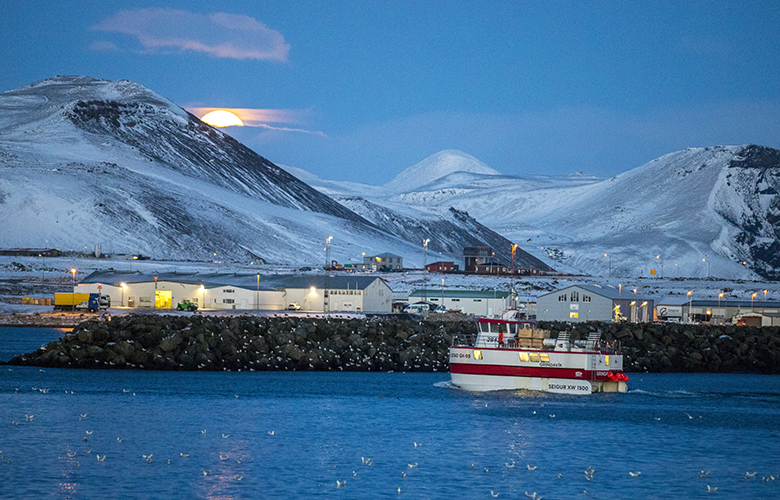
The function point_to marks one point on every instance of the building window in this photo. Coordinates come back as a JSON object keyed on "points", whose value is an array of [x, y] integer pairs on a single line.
{"points": [[477, 300], [586, 298], [228, 301], [562, 298], [574, 315], [456, 300], [575, 296], [229, 290]]}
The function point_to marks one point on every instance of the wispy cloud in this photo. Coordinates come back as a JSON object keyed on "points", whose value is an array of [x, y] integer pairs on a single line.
{"points": [[219, 34], [103, 46], [262, 117]]}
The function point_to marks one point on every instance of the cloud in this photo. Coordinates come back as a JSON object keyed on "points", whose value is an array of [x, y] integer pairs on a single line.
{"points": [[103, 46], [218, 35]]}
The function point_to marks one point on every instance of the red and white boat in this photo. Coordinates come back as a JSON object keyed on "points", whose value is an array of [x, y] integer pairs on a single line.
{"points": [[507, 354]]}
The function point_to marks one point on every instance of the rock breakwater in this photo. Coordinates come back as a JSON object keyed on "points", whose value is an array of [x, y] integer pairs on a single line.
{"points": [[381, 343], [162, 342], [651, 347]]}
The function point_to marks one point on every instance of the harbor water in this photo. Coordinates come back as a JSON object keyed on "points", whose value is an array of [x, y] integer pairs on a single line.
{"points": [[145, 434]]}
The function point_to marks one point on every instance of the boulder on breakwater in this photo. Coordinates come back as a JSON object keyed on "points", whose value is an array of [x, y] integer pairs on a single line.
{"points": [[163, 342], [653, 347]]}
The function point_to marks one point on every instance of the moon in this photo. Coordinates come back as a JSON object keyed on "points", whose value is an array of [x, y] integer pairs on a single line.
{"points": [[222, 118]]}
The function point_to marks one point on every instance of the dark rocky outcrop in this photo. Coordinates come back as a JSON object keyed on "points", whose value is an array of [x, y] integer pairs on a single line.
{"points": [[159, 342], [379, 343], [649, 347]]}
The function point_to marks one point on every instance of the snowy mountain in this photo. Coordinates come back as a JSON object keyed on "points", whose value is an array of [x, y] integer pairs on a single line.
{"points": [[87, 161], [695, 213], [438, 166]]}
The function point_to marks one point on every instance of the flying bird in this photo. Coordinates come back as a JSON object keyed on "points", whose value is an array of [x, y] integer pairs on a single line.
{"points": [[494, 495], [712, 489], [270, 433], [339, 484], [530, 467], [633, 474], [101, 459], [225, 436]]}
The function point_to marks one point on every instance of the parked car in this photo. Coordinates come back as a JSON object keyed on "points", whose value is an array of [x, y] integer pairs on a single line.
{"points": [[293, 307], [305, 268]]}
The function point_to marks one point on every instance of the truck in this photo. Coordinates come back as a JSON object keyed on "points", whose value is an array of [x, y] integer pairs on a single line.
{"points": [[188, 305], [91, 302]]}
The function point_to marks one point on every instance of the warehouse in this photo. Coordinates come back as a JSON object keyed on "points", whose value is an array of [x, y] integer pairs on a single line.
{"points": [[241, 291], [578, 303], [473, 302]]}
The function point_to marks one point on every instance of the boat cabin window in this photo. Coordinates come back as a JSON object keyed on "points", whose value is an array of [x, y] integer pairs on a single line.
{"points": [[523, 356], [606, 360], [544, 357], [534, 356], [477, 354]]}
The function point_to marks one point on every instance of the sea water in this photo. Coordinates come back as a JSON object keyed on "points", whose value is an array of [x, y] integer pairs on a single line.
{"points": [[146, 434]]}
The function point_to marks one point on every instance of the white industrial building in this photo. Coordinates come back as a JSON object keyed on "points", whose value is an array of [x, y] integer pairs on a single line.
{"points": [[472, 302], [315, 293], [579, 303]]}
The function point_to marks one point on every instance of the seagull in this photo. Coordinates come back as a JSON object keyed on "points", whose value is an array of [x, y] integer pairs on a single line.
{"points": [[205, 473], [533, 496], [712, 489], [118, 440], [530, 467], [657, 418], [148, 456], [203, 431], [494, 495], [89, 433], [552, 415], [473, 466], [633, 474], [184, 455], [399, 491], [169, 461], [412, 465], [238, 478], [82, 415], [689, 415], [416, 444], [223, 457], [403, 474], [510, 465], [225, 436], [749, 474], [71, 455], [704, 474], [101, 459], [339, 484], [270, 433], [29, 417], [354, 474]]}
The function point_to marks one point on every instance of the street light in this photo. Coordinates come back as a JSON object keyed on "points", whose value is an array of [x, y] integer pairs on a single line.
{"points": [[257, 297], [123, 293], [327, 251], [73, 293], [610, 264], [751, 301], [690, 314], [662, 265], [644, 314], [708, 267]]}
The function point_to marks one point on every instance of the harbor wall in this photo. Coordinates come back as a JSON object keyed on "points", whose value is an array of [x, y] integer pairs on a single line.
{"points": [[378, 343]]}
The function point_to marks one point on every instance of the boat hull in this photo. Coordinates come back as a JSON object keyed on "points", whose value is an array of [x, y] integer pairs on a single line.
{"points": [[520, 369]]}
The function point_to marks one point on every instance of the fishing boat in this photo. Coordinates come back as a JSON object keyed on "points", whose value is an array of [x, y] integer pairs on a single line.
{"points": [[509, 354]]}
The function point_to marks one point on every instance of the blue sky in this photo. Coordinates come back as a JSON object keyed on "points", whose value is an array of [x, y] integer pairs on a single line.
{"points": [[365, 89]]}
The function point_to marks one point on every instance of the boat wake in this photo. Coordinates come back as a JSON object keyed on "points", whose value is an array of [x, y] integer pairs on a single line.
{"points": [[668, 394], [446, 384]]}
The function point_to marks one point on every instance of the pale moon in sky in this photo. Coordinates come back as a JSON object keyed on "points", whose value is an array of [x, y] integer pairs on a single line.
{"points": [[222, 118]]}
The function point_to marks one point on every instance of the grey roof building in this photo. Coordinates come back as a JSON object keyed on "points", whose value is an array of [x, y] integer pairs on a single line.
{"points": [[578, 303]]}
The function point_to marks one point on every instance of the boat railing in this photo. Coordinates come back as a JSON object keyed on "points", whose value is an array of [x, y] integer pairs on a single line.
{"points": [[464, 340]]}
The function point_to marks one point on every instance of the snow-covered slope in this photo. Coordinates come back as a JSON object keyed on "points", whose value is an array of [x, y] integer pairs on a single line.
{"points": [[85, 161], [699, 212], [442, 164]]}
